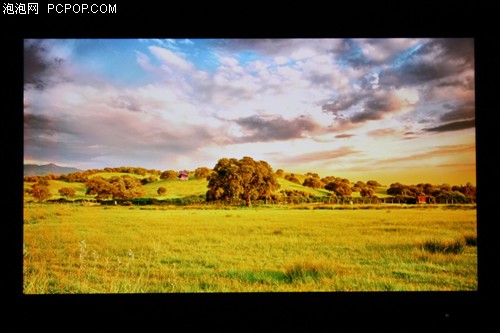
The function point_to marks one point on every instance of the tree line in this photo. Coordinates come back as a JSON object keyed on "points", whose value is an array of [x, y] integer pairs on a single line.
{"points": [[244, 181]]}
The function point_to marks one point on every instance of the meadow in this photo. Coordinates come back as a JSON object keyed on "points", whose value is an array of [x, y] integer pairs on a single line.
{"points": [[70, 248]]}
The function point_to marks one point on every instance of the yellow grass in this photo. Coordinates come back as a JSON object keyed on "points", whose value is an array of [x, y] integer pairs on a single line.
{"points": [[75, 249]]}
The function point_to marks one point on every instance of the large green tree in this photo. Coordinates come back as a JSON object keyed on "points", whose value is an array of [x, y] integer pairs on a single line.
{"points": [[244, 179]]}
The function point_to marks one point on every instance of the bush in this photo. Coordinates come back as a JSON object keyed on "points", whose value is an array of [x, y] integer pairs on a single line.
{"points": [[470, 239], [446, 247], [302, 272]]}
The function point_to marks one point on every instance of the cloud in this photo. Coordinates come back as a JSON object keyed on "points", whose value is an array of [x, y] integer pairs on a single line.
{"points": [[171, 60], [463, 111], [455, 126], [39, 66], [376, 106], [144, 61], [276, 128], [439, 61], [344, 136], [381, 132], [112, 138], [319, 156], [47, 125], [436, 152], [459, 50], [298, 97], [53, 137], [112, 124], [344, 102], [294, 47], [127, 102], [384, 50], [39, 122]]}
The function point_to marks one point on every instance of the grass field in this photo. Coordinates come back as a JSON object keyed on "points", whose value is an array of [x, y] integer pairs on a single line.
{"points": [[76, 249]]}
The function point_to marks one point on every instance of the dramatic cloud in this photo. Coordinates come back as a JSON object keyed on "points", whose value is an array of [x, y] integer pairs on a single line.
{"points": [[455, 126], [377, 106], [437, 62], [39, 66], [382, 50], [464, 111], [360, 107], [183, 103], [278, 128], [344, 102]]}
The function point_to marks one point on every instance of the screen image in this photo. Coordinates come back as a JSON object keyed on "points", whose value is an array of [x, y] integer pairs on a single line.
{"points": [[193, 165]]}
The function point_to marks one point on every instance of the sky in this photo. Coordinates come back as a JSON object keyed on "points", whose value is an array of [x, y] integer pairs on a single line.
{"points": [[391, 110]]}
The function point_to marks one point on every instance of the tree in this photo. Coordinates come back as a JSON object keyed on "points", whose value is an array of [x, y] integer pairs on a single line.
{"points": [[397, 189], [367, 192], [76, 177], [428, 188], [161, 190], [313, 182], [201, 173], [451, 197], [373, 183], [169, 174], [40, 192], [147, 180], [312, 174], [280, 172], [100, 187], [329, 179], [340, 188], [445, 187], [124, 187], [67, 192], [291, 177], [358, 186], [244, 179], [468, 190], [44, 181]]}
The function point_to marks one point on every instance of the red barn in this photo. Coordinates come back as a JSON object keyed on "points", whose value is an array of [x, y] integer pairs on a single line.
{"points": [[421, 199], [183, 175]]}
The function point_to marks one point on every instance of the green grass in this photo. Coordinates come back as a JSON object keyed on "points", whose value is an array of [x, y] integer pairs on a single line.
{"points": [[177, 188], [56, 185], [75, 249], [107, 175]]}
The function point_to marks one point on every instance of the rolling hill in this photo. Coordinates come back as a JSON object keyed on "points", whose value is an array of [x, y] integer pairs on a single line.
{"points": [[179, 189]]}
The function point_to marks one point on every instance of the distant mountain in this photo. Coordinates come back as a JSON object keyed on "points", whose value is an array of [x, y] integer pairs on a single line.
{"points": [[40, 170]]}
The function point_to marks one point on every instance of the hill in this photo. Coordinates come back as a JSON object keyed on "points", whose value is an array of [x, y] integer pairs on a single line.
{"points": [[45, 169], [180, 189]]}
